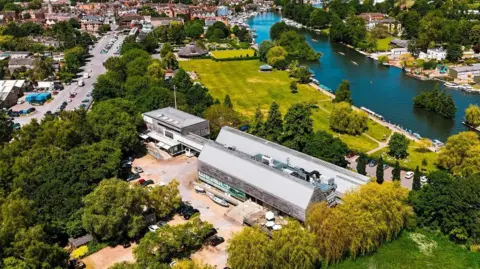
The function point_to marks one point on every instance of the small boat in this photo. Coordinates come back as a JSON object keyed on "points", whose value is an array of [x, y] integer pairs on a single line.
{"points": [[199, 189], [451, 85], [417, 136], [315, 81], [341, 53], [314, 40], [355, 63], [219, 201], [386, 64]]}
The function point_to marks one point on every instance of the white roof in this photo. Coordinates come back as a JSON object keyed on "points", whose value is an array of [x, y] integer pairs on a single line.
{"points": [[6, 87], [174, 117]]}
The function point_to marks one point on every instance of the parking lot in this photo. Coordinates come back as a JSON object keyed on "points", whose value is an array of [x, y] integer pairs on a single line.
{"points": [[94, 67]]}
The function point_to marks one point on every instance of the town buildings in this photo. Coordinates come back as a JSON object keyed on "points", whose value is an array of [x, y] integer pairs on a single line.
{"points": [[10, 91], [465, 72]]}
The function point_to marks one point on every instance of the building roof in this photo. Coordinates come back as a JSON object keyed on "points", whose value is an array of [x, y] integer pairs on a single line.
{"points": [[174, 117], [6, 87], [399, 42], [21, 61], [191, 50], [467, 68], [344, 179], [80, 241], [266, 67], [255, 173]]}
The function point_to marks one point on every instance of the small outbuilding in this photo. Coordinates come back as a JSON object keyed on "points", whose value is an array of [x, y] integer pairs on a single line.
{"points": [[191, 51], [79, 241], [266, 68]]}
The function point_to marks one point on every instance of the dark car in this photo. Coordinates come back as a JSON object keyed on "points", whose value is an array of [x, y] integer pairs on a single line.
{"points": [[211, 233], [14, 114], [64, 104], [215, 240], [31, 109], [372, 163], [187, 215], [133, 176], [140, 181], [148, 182]]}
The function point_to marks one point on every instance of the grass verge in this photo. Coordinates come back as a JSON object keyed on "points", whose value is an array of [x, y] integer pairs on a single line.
{"points": [[224, 54]]}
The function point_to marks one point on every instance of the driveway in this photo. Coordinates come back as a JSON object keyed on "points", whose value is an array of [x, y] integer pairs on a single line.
{"points": [[184, 170], [387, 173], [108, 256], [94, 66]]}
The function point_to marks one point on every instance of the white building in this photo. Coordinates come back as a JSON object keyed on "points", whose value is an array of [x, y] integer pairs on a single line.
{"points": [[398, 51], [433, 54]]}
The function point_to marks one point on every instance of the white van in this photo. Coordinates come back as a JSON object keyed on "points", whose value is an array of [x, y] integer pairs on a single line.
{"points": [[81, 82], [86, 75]]}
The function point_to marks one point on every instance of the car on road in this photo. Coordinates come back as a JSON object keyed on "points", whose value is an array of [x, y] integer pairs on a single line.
{"points": [[133, 176], [187, 211], [69, 100], [140, 181], [82, 106], [148, 182], [55, 92], [211, 233], [386, 166], [372, 163], [215, 240], [19, 102], [138, 169], [153, 228], [409, 174], [86, 100]]}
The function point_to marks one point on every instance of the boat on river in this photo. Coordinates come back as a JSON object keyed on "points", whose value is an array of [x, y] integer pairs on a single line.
{"points": [[341, 53], [315, 81], [451, 85], [353, 62]]}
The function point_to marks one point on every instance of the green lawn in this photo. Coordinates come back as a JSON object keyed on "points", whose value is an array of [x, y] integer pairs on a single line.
{"points": [[415, 156], [416, 250], [248, 87], [224, 54], [383, 44]]}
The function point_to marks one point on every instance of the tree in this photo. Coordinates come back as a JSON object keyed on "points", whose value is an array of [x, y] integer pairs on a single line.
{"points": [[150, 43], [362, 164], [193, 29], [398, 146], [472, 115], [249, 249], [293, 87], [319, 18], [379, 172], [278, 29], [449, 205], [6, 128], [416, 180], [181, 81], [297, 127], [276, 57], [343, 93], [344, 119], [454, 52], [257, 125], [166, 48], [273, 127], [356, 30], [108, 86], [396, 171], [437, 101], [227, 102], [219, 116], [165, 199], [324, 146], [170, 61], [366, 218], [460, 154], [175, 33], [119, 218], [263, 49]]}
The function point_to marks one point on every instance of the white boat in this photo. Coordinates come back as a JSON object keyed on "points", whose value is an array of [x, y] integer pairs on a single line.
{"points": [[199, 189], [451, 85], [353, 62], [219, 201], [341, 53]]}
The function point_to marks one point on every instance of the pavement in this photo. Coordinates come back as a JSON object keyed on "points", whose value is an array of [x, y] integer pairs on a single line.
{"points": [[94, 66]]}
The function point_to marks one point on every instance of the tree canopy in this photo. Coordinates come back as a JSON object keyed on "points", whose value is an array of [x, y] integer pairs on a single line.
{"points": [[460, 154], [398, 146], [324, 146], [346, 120]]}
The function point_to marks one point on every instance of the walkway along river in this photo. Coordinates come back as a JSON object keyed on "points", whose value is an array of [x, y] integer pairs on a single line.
{"points": [[385, 90]]}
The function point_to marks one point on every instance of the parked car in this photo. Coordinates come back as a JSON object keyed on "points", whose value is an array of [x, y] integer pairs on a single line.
{"points": [[82, 106], [54, 92], [423, 180], [148, 182], [386, 166], [372, 163], [409, 174], [19, 102], [351, 154], [133, 176], [141, 181], [211, 233], [215, 240], [32, 109], [86, 100], [16, 126], [138, 169], [187, 215], [153, 228]]}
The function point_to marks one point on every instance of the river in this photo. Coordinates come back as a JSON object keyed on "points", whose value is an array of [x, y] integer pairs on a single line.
{"points": [[385, 90]]}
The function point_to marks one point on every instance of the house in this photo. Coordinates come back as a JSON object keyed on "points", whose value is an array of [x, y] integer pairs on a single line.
{"points": [[74, 243], [368, 17], [10, 91], [175, 131], [16, 63], [433, 54], [398, 51], [18, 54], [247, 167], [191, 51], [223, 11], [46, 41], [399, 43], [92, 23], [464, 72], [164, 21], [202, 12]]}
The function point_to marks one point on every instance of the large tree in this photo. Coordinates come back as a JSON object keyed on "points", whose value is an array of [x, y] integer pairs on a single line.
{"points": [[324, 146], [460, 154], [396, 171], [249, 249], [257, 124], [346, 120], [416, 180], [219, 116], [398, 146], [362, 164], [472, 115], [263, 49], [6, 127], [278, 29], [277, 57], [273, 127], [297, 127], [343, 93]]}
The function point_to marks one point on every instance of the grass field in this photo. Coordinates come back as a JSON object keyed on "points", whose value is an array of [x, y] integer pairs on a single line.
{"points": [[248, 87], [383, 44], [415, 156], [224, 54], [416, 250]]}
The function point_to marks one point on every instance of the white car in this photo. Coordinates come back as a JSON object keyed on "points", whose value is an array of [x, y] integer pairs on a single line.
{"points": [[19, 102], [423, 180], [409, 174], [153, 228]]}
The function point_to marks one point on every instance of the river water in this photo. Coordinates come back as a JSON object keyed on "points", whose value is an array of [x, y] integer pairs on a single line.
{"points": [[385, 90]]}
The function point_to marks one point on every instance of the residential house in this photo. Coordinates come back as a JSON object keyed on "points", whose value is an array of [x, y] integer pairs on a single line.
{"points": [[164, 21], [16, 63], [10, 91], [396, 52], [18, 54], [92, 23], [433, 54], [464, 72], [399, 43], [202, 12], [46, 41]]}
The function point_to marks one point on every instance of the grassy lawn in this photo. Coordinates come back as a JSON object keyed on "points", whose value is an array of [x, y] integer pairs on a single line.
{"points": [[416, 250], [415, 156], [383, 44], [224, 54], [249, 87]]}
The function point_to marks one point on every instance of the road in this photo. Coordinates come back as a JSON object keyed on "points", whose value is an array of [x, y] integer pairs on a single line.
{"points": [[94, 66]]}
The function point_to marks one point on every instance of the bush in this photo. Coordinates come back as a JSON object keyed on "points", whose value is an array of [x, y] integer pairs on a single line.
{"points": [[79, 252]]}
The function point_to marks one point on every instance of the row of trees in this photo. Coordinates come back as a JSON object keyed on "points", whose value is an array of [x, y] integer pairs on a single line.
{"points": [[437, 101]]}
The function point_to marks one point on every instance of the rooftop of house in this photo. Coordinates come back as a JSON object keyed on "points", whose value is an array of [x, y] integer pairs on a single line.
{"points": [[467, 68], [6, 87], [174, 117]]}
